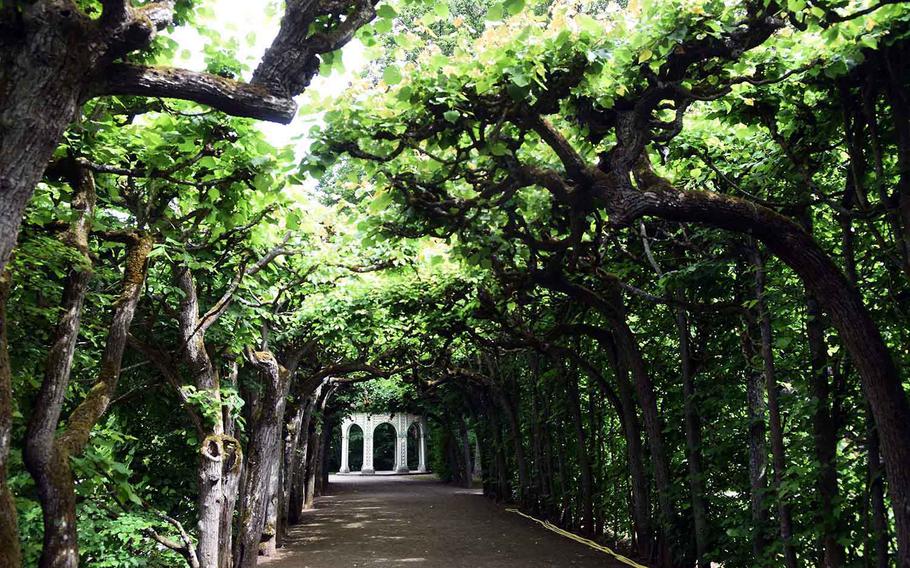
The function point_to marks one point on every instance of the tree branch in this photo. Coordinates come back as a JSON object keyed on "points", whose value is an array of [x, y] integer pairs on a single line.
{"points": [[227, 95]]}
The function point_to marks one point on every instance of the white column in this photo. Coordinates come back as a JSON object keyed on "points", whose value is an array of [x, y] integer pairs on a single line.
{"points": [[367, 468], [402, 453], [422, 447], [477, 468], [345, 466]]}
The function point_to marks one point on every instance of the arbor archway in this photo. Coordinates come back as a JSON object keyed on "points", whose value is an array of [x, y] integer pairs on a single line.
{"points": [[385, 447], [413, 441], [355, 447], [408, 445]]}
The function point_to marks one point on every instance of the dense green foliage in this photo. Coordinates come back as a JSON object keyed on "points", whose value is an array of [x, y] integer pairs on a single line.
{"points": [[463, 238]]}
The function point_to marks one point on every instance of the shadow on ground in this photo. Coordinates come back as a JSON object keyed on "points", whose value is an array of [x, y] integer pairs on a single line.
{"points": [[417, 521]]}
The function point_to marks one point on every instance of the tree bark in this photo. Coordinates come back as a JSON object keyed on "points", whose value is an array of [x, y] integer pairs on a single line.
{"points": [[86, 415], [10, 551], [584, 463], [647, 398], [230, 474], [220, 456], [45, 459], [693, 442], [298, 477], [42, 71], [292, 437], [521, 463], [314, 452], [503, 492], [874, 482], [624, 403], [263, 456], [876, 486], [825, 430], [775, 420], [758, 452]]}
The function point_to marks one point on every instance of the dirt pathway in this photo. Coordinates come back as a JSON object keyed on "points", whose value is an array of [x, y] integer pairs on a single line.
{"points": [[416, 521]]}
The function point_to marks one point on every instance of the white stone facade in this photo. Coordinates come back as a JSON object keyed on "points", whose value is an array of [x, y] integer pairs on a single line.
{"points": [[401, 422]]}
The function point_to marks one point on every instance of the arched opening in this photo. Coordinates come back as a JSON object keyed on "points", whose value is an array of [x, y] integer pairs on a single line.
{"points": [[414, 447], [355, 447], [384, 439]]}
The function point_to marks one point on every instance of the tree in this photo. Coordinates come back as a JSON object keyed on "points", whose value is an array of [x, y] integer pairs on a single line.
{"points": [[57, 54], [530, 109]]}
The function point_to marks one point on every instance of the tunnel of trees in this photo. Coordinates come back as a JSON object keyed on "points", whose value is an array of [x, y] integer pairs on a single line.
{"points": [[650, 260]]}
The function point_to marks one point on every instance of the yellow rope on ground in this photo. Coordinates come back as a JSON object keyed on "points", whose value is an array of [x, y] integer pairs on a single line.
{"points": [[551, 527]]}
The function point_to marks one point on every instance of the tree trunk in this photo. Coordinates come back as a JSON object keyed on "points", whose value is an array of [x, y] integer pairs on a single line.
{"points": [[875, 486], [232, 464], [314, 451], [895, 64], [43, 69], [623, 401], [541, 483], [758, 453], [825, 429], [220, 459], [521, 462], [584, 463], [298, 476], [263, 455], [10, 551], [858, 331], [269, 540], [877, 497], [289, 459], [503, 492], [647, 398], [693, 442], [231, 473], [621, 349], [45, 459], [774, 415], [641, 499], [322, 470]]}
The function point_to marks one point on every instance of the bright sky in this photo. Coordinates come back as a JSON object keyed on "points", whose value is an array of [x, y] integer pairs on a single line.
{"points": [[238, 18]]}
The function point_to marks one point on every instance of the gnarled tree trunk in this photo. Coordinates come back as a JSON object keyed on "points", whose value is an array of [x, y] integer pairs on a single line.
{"points": [[262, 458], [45, 459]]}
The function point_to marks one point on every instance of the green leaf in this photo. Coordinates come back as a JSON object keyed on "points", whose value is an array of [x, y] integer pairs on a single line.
{"points": [[514, 7], [494, 14], [383, 26], [441, 9], [391, 75], [386, 12], [452, 116], [499, 149]]}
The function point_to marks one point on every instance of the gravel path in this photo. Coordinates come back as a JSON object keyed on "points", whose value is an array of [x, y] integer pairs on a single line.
{"points": [[417, 521]]}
